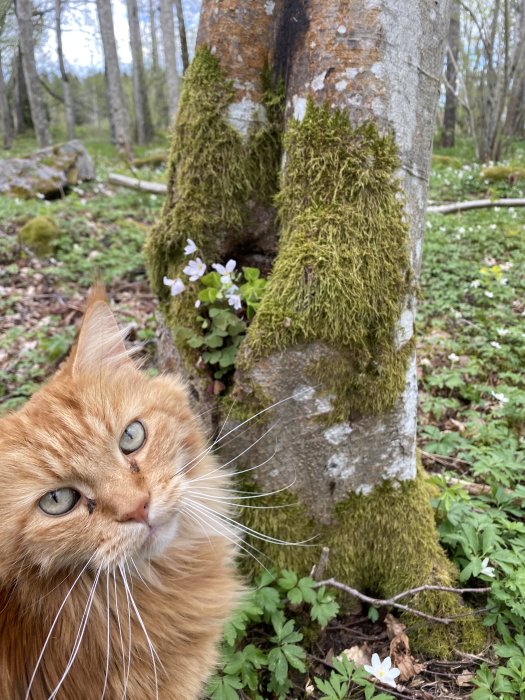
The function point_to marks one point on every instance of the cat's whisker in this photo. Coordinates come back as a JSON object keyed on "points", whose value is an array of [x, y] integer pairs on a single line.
{"points": [[139, 618], [126, 680], [80, 634], [234, 459], [233, 499], [117, 613], [46, 642], [141, 577], [107, 638], [250, 531], [206, 524]]}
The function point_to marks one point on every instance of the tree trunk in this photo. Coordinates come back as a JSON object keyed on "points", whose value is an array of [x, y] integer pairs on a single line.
{"points": [[21, 110], [168, 41], [118, 113], [68, 97], [143, 126], [161, 110], [7, 124], [331, 345], [449, 118], [24, 10], [182, 35]]}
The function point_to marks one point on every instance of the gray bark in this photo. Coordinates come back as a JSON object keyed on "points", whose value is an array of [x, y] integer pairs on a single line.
{"points": [[7, 124], [118, 113], [144, 131], [168, 41], [182, 35], [449, 117], [161, 105], [20, 108], [68, 97], [24, 10]]}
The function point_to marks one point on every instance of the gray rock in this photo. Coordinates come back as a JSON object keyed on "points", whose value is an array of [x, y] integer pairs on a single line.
{"points": [[48, 172]]}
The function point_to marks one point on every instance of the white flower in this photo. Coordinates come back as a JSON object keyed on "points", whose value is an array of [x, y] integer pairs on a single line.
{"points": [[475, 283], [225, 271], [503, 280], [177, 286], [486, 569], [489, 295], [453, 357], [495, 344], [190, 247], [502, 331], [197, 303], [500, 397], [382, 670], [195, 269], [235, 301]]}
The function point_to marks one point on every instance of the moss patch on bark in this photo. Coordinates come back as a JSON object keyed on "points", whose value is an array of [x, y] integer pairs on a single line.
{"points": [[342, 274], [381, 544]]}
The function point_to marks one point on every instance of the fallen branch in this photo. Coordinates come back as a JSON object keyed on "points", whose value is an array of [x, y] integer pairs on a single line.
{"points": [[474, 204], [392, 602], [134, 184]]}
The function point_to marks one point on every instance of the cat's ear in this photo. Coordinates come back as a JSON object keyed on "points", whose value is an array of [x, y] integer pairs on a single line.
{"points": [[100, 342]]}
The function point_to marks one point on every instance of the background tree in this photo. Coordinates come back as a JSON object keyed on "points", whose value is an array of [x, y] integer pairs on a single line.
{"points": [[143, 124], [118, 112], [333, 337], [38, 112], [182, 35], [449, 116], [68, 97], [167, 27]]}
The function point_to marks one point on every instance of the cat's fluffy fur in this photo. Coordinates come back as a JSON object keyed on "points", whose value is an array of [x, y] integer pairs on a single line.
{"points": [[179, 567]]}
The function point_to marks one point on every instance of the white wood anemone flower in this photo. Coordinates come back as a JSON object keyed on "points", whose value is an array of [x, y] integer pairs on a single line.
{"points": [[382, 670], [190, 247], [177, 286], [195, 269], [486, 569]]}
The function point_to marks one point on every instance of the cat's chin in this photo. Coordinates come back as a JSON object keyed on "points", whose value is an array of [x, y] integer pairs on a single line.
{"points": [[159, 538]]}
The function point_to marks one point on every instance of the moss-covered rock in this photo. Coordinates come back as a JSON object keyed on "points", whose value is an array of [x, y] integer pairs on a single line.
{"points": [[499, 173], [342, 274], [39, 234]]}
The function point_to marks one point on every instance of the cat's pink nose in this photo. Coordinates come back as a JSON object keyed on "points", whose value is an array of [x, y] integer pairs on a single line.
{"points": [[138, 513]]}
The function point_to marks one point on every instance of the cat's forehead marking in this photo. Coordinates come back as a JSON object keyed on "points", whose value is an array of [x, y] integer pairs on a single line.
{"points": [[134, 466]]}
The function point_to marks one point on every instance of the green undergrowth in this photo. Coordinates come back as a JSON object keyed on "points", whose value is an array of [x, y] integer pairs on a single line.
{"points": [[472, 354], [210, 187], [342, 271]]}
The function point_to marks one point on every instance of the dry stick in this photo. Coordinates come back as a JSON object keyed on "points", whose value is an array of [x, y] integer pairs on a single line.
{"points": [[134, 184], [474, 204], [378, 602]]}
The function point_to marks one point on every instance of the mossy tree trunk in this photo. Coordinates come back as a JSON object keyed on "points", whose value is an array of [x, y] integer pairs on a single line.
{"points": [[332, 343]]}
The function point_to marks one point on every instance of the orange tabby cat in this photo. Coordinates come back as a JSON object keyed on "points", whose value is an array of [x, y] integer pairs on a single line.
{"points": [[115, 577]]}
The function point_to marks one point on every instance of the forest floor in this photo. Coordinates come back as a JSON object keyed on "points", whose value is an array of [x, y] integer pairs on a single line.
{"points": [[471, 355]]}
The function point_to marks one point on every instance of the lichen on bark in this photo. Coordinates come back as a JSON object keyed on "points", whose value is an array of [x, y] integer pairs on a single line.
{"points": [[342, 274]]}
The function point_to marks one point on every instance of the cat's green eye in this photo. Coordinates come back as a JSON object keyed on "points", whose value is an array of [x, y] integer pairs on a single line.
{"points": [[59, 502], [132, 438]]}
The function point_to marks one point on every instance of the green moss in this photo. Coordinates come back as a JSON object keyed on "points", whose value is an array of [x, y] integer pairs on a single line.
{"points": [[39, 234], [381, 544], [342, 273], [447, 161], [497, 173], [153, 160], [213, 174]]}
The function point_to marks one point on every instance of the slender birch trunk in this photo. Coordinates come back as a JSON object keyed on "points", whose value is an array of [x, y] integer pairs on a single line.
{"points": [[167, 26], [182, 35], [23, 10], [68, 97], [118, 112], [143, 125], [161, 107]]}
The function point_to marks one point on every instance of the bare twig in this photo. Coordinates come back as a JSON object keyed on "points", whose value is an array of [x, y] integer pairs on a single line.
{"points": [[134, 184], [317, 571], [475, 204], [392, 602]]}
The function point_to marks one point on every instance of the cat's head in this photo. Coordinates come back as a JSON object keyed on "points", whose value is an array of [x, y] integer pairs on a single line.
{"points": [[97, 465]]}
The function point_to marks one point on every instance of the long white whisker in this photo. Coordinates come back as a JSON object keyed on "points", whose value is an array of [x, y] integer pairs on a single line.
{"points": [[151, 647], [126, 680], [53, 627], [80, 634], [107, 638], [251, 495], [117, 612], [250, 531]]}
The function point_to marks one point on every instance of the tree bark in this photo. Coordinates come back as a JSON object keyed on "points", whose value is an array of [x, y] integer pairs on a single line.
{"points": [[182, 36], [68, 97], [7, 124], [361, 85], [161, 107], [23, 10], [449, 117], [143, 125], [118, 113], [168, 41]]}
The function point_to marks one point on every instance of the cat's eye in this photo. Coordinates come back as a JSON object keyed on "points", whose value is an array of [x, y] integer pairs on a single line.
{"points": [[59, 502], [132, 438]]}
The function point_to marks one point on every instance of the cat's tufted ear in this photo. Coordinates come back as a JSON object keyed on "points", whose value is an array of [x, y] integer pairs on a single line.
{"points": [[101, 341]]}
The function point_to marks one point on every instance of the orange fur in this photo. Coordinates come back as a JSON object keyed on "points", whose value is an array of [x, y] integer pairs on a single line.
{"points": [[180, 575]]}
